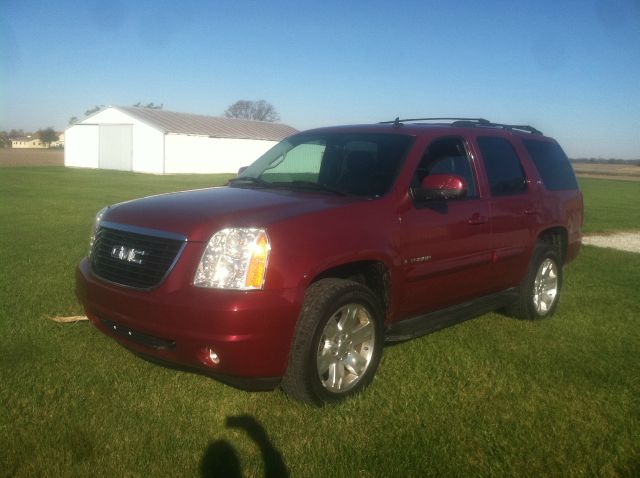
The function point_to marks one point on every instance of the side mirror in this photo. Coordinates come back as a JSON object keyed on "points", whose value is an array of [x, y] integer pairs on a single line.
{"points": [[242, 170], [441, 186]]}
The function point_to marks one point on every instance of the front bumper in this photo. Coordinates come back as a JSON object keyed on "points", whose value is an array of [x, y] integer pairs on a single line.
{"points": [[177, 324]]}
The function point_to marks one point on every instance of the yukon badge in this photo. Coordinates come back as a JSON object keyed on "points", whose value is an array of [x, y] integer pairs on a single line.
{"points": [[127, 254]]}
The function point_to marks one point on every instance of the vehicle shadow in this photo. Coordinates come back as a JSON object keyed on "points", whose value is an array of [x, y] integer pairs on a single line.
{"points": [[221, 460]]}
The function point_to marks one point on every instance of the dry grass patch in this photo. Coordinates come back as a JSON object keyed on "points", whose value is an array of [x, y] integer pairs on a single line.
{"points": [[626, 172], [31, 157]]}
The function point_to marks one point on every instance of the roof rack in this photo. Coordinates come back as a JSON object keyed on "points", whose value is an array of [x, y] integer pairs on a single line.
{"points": [[468, 122]]}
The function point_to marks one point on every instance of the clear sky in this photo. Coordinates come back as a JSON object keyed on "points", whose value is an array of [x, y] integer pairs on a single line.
{"points": [[569, 68]]}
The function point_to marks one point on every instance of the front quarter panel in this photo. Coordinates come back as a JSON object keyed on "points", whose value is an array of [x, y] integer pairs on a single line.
{"points": [[306, 246]]}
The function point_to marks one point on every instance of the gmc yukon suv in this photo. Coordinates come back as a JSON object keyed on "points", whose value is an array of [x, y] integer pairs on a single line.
{"points": [[333, 242]]}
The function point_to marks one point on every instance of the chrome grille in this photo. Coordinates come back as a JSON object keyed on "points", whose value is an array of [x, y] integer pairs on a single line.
{"points": [[129, 257]]}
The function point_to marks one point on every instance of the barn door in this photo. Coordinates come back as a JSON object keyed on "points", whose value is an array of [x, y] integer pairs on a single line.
{"points": [[115, 146]]}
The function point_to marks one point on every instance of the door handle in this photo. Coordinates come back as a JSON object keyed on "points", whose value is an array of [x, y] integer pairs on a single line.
{"points": [[477, 219], [531, 211]]}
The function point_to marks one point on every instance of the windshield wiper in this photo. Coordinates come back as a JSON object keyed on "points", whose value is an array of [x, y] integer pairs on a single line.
{"points": [[314, 186], [250, 180]]}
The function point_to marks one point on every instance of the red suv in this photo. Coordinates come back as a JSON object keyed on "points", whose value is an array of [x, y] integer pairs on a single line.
{"points": [[333, 242]]}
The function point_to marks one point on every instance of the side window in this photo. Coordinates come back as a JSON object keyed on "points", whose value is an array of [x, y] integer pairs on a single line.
{"points": [[504, 171], [447, 156], [552, 164], [363, 165]]}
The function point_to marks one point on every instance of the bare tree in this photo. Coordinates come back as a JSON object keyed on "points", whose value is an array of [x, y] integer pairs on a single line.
{"points": [[96, 108], [240, 109], [264, 111], [260, 110], [151, 105]]}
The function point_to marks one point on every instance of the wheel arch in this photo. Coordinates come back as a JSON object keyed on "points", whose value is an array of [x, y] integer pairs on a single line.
{"points": [[556, 237], [373, 274]]}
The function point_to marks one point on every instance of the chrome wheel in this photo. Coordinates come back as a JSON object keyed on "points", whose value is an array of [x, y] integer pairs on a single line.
{"points": [[337, 344], [545, 287], [345, 348]]}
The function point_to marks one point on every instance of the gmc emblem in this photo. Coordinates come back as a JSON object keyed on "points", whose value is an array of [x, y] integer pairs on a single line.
{"points": [[127, 254]]}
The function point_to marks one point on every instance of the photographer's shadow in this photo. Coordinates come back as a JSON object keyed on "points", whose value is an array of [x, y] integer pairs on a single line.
{"points": [[221, 460]]}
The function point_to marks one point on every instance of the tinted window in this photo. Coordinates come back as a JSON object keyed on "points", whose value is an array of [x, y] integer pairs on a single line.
{"points": [[552, 164], [447, 156], [359, 164], [504, 171]]}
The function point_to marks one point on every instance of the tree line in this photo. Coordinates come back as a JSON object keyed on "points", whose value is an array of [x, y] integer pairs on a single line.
{"points": [[46, 135]]}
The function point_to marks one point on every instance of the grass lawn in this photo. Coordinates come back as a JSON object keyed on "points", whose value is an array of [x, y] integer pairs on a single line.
{"points": [[490, 397], [610, 205]]}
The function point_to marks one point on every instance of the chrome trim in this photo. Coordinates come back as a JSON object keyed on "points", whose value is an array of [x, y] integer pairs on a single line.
{"points": [[146, 232]]}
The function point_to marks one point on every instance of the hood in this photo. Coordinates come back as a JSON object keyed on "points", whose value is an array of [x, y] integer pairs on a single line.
{"points": [[198, 214]]}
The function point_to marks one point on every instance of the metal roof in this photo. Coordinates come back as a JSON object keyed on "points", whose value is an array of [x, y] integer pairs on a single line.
{"points": [[213, 126]]}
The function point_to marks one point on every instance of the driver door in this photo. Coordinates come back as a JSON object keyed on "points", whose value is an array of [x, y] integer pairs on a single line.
{"points": [[446, 243]]}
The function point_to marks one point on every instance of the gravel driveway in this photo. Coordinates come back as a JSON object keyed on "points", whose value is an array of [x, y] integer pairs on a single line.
{"points": [[624, 241]]}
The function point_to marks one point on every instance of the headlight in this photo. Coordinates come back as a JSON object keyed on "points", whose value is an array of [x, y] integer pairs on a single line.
{"points": [[235, 258], [94, 229]]}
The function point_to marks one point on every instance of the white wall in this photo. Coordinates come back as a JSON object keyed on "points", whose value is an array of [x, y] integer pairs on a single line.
{"points": [[81, 148], [153, 151], [29, 143], [147, 151], [201, 154]]}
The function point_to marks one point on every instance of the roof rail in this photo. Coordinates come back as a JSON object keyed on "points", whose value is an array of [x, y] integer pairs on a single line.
{"points": [[399, 120], [468, 122], [521, 127]]}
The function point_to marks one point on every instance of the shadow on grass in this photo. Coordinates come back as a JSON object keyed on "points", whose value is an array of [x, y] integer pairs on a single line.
{"points": [[221, 460]]}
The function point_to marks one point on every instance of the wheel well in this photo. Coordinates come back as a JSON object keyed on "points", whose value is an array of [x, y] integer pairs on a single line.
{"points": [[557, 238], [371, 274]]}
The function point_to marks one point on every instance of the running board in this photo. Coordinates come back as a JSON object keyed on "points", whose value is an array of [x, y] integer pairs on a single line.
{"points": [[425, 324]]}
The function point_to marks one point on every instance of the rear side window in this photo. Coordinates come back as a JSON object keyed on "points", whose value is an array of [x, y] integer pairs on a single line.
{"points": [[552, 164], [504, 171]]}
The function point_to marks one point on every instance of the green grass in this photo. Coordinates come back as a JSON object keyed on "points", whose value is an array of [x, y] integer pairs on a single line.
{"points": [[609, 205], [490, 397]]}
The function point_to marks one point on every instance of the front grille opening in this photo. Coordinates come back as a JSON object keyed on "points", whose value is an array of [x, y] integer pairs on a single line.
{"points": [[133, 259]]}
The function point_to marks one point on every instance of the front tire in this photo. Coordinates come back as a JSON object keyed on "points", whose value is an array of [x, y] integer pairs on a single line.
{"points": [[337, 344], [539, 291]]}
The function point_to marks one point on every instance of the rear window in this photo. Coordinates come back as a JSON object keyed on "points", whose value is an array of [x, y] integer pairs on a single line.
{"points": [[552, 164]]}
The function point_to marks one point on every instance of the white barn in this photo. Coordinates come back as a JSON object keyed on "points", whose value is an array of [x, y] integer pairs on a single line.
{"points": [[147, 140]]}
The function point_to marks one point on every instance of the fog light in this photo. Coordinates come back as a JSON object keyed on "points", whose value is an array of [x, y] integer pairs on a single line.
{"points": [[208, 357], [214, 357]]}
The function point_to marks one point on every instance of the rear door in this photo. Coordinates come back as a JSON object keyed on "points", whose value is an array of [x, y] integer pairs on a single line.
{"points": [[513, 210]]}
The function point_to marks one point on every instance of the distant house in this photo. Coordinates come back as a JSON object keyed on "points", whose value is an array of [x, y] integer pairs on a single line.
{"points": [[59, 143], [27, 142], [164, 142]]}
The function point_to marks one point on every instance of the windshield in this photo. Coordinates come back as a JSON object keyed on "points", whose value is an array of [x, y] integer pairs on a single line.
{"points": [[355, 164]]}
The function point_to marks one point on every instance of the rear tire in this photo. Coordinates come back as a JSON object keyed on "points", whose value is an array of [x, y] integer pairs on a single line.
{"points": [[337, 343], [539, 292]]}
